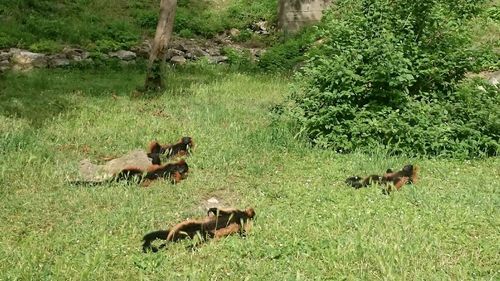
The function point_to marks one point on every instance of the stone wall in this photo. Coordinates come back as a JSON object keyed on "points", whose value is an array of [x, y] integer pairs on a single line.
{"points": [[294, 14]]}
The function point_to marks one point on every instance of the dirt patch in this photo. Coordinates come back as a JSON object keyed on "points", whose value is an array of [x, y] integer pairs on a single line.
{"points": [[219, 199]]}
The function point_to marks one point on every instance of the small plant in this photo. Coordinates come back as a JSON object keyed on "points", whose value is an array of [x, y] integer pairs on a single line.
{"points": [[186, 33], [46, 46], [286, 55], [241, 60]]}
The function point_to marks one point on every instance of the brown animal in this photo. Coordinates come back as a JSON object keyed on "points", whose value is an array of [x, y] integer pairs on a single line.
{"points": [[408, 174], [174, 171], [182, 147], [222, 223]]}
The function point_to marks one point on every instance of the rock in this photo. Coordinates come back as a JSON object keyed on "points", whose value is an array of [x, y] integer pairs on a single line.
{"points": [[198, 52], [182, 47], [4, 65], [58, 61], [494, 78], [178, 60], [234, 32], [93, 173], [24, 60], [174, 52], [13, 51], [5, 56], [189, 56], [75, 54], [257, 53], [213, 51], [123, 55], [218, 59], [260, 27], [143, 50]]}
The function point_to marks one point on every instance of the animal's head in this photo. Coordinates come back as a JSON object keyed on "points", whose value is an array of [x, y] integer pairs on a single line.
{"points": [[408, 170], [352, 179], [182, 167], [187, 141], [250, 212]]}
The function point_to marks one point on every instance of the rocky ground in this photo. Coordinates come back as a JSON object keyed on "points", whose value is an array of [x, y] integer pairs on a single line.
{"points": [[181, 50]]}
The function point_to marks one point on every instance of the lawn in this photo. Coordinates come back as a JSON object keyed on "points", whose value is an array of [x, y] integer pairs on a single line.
{"points": [[309, 225]]}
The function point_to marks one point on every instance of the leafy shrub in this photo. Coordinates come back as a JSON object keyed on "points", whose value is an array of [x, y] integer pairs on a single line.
{"points": [[6, 41], [238, 59], [104, 46], [287, 54], [186, 33], [46, 46], [386, 74], [147, 19], [244, 35]]}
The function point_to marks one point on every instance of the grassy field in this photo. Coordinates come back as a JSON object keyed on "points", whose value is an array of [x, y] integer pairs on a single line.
{"points": [[101, 26], [309, 225]]}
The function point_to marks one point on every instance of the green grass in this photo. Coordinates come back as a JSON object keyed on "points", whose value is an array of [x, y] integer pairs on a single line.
{"points": [[102, 26], [309, 225]]}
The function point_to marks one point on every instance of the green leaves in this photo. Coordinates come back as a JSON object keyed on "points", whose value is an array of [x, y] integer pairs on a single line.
{"points": [[386, 74]]}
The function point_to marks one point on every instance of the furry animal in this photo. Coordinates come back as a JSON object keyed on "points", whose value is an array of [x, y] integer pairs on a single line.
{"points": [[407, 175], [176, 172], [222, 223], [182, 147]]}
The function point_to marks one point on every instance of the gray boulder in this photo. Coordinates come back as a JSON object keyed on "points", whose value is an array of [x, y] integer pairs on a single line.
{"points": [[58, 60], [199, 52], [174, 52], [4, 65], [5, 56], [123, 55], [24, 60], [178, 60], [75, 54], [218, 59]]}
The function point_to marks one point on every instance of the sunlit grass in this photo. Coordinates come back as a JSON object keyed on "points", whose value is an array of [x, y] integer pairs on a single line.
{"points": [[309, 224]]}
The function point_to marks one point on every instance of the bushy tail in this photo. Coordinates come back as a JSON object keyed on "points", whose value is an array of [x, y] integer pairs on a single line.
{"points": [[152, 236]]}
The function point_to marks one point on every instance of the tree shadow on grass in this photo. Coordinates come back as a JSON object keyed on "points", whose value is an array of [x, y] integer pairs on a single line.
{"points": [[43, 94]]}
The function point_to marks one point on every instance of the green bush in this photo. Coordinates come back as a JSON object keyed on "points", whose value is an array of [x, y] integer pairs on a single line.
{"points": [[239, 59], [287, 54], [6, 41], [386, 75], [46, 46]]}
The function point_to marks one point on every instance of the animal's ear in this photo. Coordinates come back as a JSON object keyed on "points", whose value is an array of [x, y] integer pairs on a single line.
{"points": [[213, 210], [154, 148], [250, 212], [389, 171]]}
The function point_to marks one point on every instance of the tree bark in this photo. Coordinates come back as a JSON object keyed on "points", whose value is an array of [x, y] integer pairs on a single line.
{"points": [[157, 57]]}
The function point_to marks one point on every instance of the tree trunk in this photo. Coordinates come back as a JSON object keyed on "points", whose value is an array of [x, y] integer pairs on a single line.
{"points": [[157, 57]]}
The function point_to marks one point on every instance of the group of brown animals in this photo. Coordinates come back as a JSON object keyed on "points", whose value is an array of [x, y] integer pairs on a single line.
{"points": [[223, 222], [218, 222], [407, 175], [175, 171]]}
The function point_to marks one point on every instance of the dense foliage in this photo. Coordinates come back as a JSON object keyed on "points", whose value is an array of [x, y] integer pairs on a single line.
{"points": [[287, 54], [386, 74]]}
